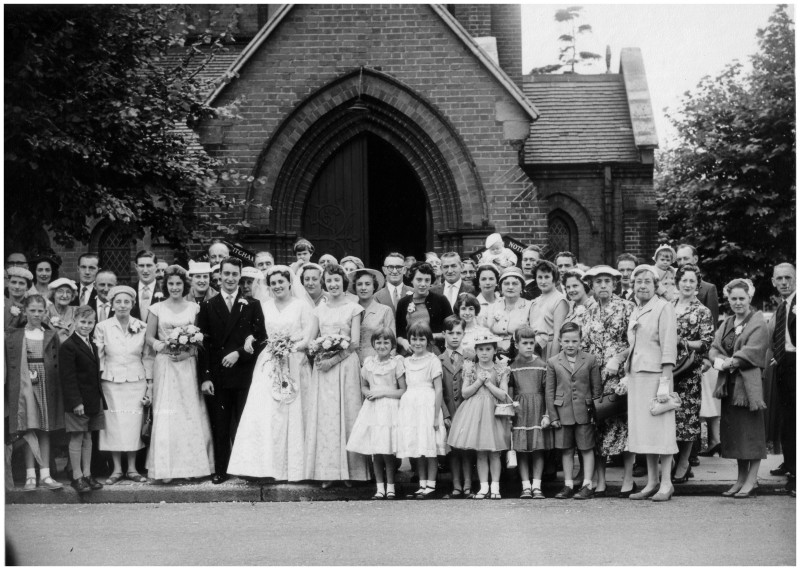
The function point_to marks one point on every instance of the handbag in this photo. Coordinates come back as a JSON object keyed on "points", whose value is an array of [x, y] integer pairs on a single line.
{"points": [[673, 403], [505, 410], [610, 406], [147, 424], [684, 365]]}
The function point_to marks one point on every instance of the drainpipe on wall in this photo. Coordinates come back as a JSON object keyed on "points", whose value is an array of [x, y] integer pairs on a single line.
{"points": [[608, 216]]}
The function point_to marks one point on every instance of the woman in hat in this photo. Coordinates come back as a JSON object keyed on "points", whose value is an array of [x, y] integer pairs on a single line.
{"points": [[365, 283], [605, 337], [180, 444], [739, 353], [126, 373], [20, 281], [269, 440], [351, 263], [509, 312], [61, 315], [578, 292], [45, 271], [497, 255]]}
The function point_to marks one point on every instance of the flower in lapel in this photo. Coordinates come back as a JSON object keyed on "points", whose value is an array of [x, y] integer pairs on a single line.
{"points": [[738, 330], [794, 309], [158, 295], [56, 322], [242, 300], [411, 307], [135, 326], [15, 311]]}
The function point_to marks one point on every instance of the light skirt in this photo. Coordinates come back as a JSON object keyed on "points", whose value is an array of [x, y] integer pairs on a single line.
{"points": [[648, 433], [123, 416]]}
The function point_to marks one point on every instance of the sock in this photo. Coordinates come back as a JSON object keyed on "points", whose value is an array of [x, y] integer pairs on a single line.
{"points": [[422, 484], [526, 485], [587, 482], [484, 488], [390, 487], [569, 483], [75, 457], [495, 487], [380, 487], [30, 473], [537, 484], [431, 484], [44, 472], [86, 455]]}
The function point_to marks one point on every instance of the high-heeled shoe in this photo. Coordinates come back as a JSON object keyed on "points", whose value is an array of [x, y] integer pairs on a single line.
{"points": [[730, 493], [711, 451], [642, 495], [751, 494], [627, 494], [663, 497], [686, 476]]}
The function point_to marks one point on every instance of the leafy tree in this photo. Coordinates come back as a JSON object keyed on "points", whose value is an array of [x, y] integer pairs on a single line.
{"points": [[727, 184], [569, 55], [93, 98]]}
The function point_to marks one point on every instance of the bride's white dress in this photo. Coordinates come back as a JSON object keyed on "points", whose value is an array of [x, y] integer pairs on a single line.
{"points": [[269, 440]]}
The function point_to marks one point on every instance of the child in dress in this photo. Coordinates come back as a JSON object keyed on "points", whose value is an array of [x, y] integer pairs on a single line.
{"points": [[420, 422], [475, 425], [468, 308], [572, 383], [383, 383], [452, 360], [528, 438]]}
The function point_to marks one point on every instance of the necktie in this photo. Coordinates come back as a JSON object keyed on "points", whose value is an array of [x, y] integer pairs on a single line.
{"points": [[82, 298], [103, 312], [229, 302], [451, 293], [145, 304], [393, 292], [779, 344], [453, 357]]}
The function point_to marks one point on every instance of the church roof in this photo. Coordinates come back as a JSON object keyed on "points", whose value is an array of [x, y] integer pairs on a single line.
{"points": [[493, 68]]}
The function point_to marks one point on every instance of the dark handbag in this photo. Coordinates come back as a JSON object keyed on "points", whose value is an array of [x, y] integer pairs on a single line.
{"points": [[147, 424], [684, 365], [610, 406]]}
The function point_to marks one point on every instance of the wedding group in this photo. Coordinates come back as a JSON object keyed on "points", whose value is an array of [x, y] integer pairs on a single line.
{"points": [[331, 371]]}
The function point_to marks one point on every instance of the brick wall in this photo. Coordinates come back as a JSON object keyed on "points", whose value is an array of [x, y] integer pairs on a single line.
{"points": [[476, 18], [507, 28]]}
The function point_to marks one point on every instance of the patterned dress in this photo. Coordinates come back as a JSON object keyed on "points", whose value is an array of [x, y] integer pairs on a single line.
{"points": [[694, 323], [605, 334], [579, 313]]}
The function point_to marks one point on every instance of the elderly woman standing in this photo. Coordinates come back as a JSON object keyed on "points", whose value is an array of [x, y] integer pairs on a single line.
{"points": [[511, 311], [487, 277], [605, 336], [126, 373], [695, 333], [649, 360], [61, 315], [365, 283], [739, 353], [549, 309], [577, 290], [19, 281]]}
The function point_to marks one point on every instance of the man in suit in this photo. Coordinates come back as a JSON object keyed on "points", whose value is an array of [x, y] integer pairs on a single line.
{"points": [[453, 285], [228, 321], [147, 292], [394, 269], [707, 292], [88, 265], [784, 358], [626, 263], [200, 282], [530, 257], [104, 282]]}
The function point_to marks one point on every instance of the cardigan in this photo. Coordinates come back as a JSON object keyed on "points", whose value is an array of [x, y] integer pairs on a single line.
{"points": [[438, 309]]}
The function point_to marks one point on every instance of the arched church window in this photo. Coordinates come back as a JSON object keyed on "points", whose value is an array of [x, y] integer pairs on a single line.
{"points": [[562, 234], [116, 251]]}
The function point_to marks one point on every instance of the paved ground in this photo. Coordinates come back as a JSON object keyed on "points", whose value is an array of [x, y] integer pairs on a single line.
{"points": [[685, 531]]}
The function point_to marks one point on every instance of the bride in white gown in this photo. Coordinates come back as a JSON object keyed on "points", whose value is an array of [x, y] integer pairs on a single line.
{"points": [[269, 440]]}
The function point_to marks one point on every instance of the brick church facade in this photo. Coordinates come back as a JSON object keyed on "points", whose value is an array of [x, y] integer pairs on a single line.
{"points": [[411, 127]]}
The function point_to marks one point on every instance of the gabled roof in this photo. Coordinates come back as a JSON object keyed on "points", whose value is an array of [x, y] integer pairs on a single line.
{"points": [[584, 119], [512, 88]]}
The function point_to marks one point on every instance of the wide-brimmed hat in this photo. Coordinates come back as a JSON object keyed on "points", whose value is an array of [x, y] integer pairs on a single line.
{"points": [[63, 282], [598, 270], [251, 273], [19, 272], [121, 290], [354, 275], [512, 271], [487, 338], [199, 268]]}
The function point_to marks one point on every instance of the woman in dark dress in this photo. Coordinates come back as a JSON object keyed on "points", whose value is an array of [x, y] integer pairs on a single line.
{"points": [[739, 353]]}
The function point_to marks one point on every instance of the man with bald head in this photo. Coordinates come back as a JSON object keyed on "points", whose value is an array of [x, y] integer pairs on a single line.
{"points": [[217, 252], [784, 358]]}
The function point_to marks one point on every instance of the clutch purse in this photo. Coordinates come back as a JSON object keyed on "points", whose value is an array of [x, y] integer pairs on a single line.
{"points": [[505, 410], [147, 424], [511, 459], [673, 403]]}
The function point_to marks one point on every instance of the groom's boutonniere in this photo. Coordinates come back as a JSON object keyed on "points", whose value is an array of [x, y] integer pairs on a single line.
{"points": [[243, 301], [158, 295]]}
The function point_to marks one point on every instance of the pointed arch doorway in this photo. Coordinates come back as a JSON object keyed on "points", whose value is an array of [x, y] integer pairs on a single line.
{"points": [[367, 201]]}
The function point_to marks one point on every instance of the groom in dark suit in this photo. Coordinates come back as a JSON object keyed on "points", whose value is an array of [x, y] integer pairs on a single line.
{"points": [[226, 368]]}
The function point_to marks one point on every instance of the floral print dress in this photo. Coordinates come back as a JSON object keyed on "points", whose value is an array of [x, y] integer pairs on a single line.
{"points": [[694, 323], [605, 334]]}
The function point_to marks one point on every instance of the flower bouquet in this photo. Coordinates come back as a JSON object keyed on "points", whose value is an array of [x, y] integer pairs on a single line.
{"points": [[277, 347], [328, 346], [183, 339]]}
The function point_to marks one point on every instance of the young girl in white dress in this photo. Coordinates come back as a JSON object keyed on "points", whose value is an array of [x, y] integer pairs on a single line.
{"points": [[468, 308], [420, 423], [475, 425], [375, 432]]}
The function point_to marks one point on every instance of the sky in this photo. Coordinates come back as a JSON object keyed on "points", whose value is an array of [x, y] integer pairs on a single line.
{"points": [[680, 43]]}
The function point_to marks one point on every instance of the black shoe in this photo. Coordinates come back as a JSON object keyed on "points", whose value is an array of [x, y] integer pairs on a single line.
{"points": [[639, 471], [585, 493], [220, 478], [711, 451], [686, 476], [790, 483], [565, 493], [781, 470], [694, 462], [80, 485], [93, 483], [627, 494]]}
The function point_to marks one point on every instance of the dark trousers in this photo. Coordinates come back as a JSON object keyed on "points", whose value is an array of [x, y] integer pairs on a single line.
{"points": [[787, 387], [225, 407]]}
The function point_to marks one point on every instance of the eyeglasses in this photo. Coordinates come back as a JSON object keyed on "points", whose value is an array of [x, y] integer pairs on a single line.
{"points": [[394, 268]]}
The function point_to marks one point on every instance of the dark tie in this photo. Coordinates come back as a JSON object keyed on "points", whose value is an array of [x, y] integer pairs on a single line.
{"points": [[779, 342]]}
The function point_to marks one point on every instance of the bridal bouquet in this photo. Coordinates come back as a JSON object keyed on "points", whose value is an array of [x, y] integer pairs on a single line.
{"points": [[328, 346], [183, 339], [278, 346]]}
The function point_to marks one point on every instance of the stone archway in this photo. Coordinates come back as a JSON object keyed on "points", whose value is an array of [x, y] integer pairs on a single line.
{"points": [[325, 121]]}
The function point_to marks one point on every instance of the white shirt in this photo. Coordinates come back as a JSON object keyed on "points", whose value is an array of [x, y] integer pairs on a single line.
{"points": [[789, 346], [451, 291], [395, 292]]}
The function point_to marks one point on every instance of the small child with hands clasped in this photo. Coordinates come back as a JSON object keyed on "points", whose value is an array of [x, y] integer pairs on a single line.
{"points": [[374, 432], [452, 360], [83, 397], [528, 438], [420, 422], [572, 383], [476, 426]]}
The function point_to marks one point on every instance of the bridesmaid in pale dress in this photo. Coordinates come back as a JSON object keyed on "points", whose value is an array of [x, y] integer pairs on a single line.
{"points": [[335, 394]]}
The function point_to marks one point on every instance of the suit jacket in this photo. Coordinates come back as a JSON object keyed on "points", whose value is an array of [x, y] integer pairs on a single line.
{"points": [[438, 308], [123, 356], [654, 339], [707, 295], [383, 297], [80, 376], [466, 287], [452, 379], [569, 394], [92, 297], [136, 311], [225, 332], [791, 319]]}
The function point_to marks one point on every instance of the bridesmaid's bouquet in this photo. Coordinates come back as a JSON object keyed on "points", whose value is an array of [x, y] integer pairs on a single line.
{"points": [[328, 346], [183, 339]]}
